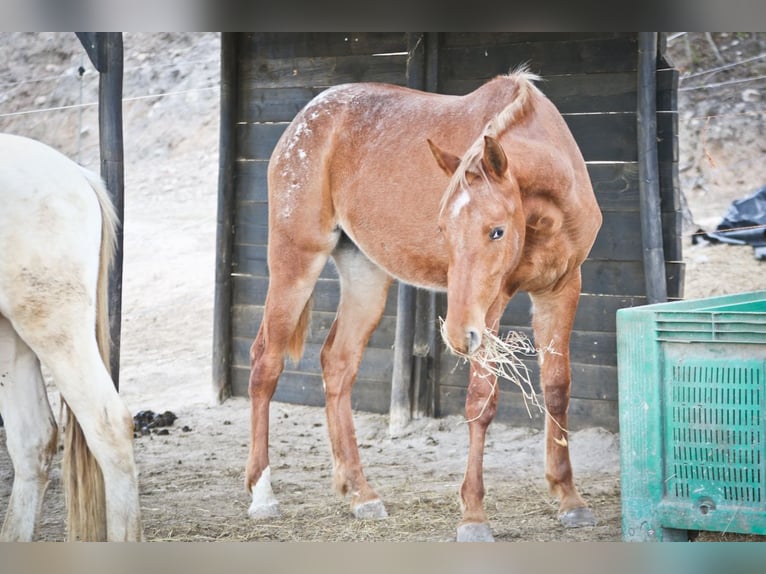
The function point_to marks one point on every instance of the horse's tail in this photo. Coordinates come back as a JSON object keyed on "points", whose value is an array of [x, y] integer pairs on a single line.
{"points": [[83, 481], [298, 339]]}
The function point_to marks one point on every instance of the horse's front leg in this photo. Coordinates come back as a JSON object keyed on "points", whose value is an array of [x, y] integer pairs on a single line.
{"points": [[552, 322], [480, 409]]}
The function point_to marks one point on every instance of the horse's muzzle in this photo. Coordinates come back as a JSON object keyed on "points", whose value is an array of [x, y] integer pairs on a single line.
{"points": [[473, 340], [464, 341]]}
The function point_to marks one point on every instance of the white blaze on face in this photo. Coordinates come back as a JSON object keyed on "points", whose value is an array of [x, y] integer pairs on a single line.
{"points": [[460, 202]]}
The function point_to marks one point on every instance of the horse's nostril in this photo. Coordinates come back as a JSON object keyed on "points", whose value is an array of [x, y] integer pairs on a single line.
{"points": [[473, 338]]}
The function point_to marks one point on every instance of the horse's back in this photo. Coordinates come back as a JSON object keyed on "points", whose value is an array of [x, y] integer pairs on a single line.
{"points": [[50, 226], [356, 158], [36, 179], [375, 116], [372, 133]]}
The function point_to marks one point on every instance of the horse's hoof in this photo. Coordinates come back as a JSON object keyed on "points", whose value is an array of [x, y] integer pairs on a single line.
{"points": [[577, 517], [264, 504], [372, 509], [474, 532], [264, 510]]}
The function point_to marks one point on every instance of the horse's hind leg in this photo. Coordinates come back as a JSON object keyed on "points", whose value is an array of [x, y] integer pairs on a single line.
{"points": [[363, 297], [67, 345], [89, 392], [552, 322], [31, 433], [285, 316]]}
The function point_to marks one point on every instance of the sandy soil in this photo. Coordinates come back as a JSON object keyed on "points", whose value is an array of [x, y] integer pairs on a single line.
{"points": [[192, 482]]}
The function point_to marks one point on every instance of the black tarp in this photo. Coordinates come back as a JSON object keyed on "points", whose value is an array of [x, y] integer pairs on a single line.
{"points": [[744, 224]]}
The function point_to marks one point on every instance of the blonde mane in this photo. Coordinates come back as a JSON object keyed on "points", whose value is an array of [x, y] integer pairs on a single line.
{"points": [[494, 128]]}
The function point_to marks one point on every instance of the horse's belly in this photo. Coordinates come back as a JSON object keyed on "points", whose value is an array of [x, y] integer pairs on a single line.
{"points": [[401, 255]]}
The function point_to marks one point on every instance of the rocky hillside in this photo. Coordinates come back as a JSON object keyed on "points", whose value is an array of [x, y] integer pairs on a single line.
{"points": [[722, 118], [170, 90]]}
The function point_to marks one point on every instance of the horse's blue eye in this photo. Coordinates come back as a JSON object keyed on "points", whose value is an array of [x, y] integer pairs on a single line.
{"points": [[496, 233]]}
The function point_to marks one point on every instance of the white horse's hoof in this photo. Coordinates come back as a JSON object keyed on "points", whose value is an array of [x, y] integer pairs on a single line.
{"points": [[474, 532], [577, 518], [263, 511], [372, 509], [265, 504]]}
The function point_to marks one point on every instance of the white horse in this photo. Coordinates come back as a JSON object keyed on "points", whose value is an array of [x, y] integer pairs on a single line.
{"points": [[57, 232]]}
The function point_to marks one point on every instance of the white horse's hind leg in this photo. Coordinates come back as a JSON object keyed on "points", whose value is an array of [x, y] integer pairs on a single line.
{"points": [[30, 433], [108, 428], [66, 344]]}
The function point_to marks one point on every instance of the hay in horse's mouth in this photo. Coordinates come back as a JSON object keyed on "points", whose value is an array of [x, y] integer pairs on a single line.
{"points": [[502, 357]]}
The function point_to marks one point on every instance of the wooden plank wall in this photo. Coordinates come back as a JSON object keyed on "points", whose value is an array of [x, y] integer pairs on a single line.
{"points": [[590, 77], [279, 73]]}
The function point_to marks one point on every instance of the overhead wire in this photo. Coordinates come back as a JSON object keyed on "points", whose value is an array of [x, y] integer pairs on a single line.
{"points": [[124, 100], [83, 73], [724, 67], [720, 84]]}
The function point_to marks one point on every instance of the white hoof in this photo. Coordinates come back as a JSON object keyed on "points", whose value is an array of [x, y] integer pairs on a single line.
{"points": [[265, 504], [474, 532], [262, 511], [372, 509]]}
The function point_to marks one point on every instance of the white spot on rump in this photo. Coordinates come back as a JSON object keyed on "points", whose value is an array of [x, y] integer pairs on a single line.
{"points": [[288, 199]]}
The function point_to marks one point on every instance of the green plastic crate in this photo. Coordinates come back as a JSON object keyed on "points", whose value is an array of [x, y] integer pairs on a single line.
{"points": [[692, 402]]}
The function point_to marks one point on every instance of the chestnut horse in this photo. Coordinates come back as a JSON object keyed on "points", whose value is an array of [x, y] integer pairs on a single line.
{"points": [[57, 231], [352, 178]]}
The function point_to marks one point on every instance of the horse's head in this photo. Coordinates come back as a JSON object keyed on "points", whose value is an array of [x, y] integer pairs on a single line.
{"points": [[482, 222]]}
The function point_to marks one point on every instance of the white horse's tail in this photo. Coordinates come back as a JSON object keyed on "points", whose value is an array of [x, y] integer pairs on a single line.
{"points": [[83, 481]]}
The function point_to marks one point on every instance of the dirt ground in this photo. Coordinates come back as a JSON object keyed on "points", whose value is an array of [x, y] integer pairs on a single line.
{"points": [[192, 481]]}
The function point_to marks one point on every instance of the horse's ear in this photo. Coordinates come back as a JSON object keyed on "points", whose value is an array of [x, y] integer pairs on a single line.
{"points": [[495, 160], [446, 160]]}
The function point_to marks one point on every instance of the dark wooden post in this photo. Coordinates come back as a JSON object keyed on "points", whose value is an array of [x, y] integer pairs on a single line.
{"points": [[413, 384], [427, 342], [400, 411], [106, 53], [224, 232], [648, 170]]}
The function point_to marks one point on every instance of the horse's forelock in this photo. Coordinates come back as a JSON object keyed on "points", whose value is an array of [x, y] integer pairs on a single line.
{"points": [[471, 160]]}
